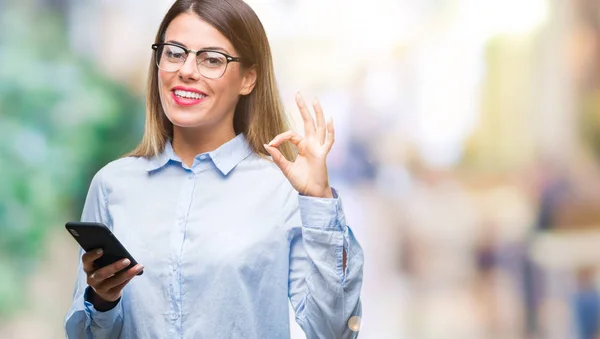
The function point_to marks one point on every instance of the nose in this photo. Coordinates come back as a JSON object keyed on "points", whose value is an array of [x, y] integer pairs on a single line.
{"points": [[189, 69]]}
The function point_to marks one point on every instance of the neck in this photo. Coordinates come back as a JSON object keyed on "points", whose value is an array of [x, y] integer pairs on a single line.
{"points": [[189, 142]]}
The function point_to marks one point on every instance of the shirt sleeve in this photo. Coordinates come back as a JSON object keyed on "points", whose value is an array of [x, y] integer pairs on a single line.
{"points": [[82, 319], [325, 297]]}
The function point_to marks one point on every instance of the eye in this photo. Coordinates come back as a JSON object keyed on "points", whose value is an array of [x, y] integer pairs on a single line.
{"points": [[174, 53], [212, 59], [171, 54]]}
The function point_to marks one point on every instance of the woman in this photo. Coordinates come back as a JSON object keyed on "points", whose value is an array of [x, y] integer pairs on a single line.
{"points": [[227, 226]]}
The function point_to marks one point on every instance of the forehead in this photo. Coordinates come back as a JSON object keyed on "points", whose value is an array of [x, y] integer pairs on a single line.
{"points": [[195, 33]]}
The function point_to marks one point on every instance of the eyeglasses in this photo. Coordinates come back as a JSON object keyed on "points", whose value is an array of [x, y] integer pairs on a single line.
{"points": [[211, 64]]}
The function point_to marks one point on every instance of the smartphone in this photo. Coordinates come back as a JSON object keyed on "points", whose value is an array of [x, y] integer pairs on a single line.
{"points": [[92, 235]]}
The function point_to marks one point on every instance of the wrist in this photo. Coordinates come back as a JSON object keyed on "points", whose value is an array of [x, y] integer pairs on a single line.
{"points": [[100, 304], [328, 193]]}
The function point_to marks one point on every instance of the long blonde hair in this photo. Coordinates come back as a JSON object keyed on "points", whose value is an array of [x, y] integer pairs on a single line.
{"points": [[260, 114]]}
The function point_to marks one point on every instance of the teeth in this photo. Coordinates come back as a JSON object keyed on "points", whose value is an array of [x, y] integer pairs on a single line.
{"points": [[189, 95]]}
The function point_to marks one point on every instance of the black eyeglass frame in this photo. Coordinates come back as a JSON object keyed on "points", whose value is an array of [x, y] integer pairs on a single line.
{"points": [[228, 57]]}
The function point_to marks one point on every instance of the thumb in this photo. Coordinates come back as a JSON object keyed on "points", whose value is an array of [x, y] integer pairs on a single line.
{"points": [[278, 158]]}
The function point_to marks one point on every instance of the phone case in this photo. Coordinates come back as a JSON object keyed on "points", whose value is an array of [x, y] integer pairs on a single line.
{"points": [[91, 235]]}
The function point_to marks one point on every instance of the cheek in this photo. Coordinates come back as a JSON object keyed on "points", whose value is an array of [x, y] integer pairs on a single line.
{"points": [[164, 78], [230, 84]]}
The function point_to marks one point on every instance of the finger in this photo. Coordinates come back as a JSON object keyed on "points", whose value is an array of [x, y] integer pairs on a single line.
{"points": [[87, 259], [291, 136], [321, 132], [119, 287], [111, 284], [279, 159], [330, 135], [309, 124], [108, 271]]}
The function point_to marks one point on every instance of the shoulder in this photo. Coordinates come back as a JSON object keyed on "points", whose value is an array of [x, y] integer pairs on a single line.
{"points": [[119, 169], [270, 179], [265, 168]]}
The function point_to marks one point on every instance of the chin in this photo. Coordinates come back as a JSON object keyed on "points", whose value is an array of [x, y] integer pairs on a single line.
{"points": [[187, 123], [186, 120]]}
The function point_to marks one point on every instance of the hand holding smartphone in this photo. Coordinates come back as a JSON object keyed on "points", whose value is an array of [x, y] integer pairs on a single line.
{"points": [[107, 264]]}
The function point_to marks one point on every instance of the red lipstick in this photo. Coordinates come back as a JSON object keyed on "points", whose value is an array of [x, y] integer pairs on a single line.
{"points": [[187, 96]]}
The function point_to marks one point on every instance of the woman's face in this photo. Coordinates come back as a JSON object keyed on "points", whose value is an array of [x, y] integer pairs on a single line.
{"points": [[191, 100]]}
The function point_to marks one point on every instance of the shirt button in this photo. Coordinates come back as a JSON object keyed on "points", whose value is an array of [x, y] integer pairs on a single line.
{"points": [[354, 323], [203, 157]]}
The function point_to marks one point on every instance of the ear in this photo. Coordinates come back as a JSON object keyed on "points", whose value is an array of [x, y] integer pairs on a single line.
{"points": [[248, 81]]}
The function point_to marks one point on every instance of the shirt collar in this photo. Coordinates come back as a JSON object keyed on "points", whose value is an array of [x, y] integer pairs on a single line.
{"points": [[225, 158]]}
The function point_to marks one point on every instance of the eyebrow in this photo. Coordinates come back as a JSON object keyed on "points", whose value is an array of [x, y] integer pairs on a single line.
{"points": [[212, 48]]}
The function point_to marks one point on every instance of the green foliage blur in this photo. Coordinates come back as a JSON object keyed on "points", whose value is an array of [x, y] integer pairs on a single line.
{"points": [[61, 120]]}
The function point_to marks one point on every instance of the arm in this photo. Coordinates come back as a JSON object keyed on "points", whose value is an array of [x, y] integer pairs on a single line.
{"points": [[83, 319], [325, 291], [325, 273]]}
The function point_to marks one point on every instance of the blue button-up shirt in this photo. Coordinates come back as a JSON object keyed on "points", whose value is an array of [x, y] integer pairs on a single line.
{"points": [[225, 245]]}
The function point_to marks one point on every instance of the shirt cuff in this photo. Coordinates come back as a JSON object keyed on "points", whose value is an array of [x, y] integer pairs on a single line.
{"points": [[322, 213], [101, 319]]}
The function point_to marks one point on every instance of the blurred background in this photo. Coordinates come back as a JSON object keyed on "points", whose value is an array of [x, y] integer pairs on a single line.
{"points": [[467, 151]]}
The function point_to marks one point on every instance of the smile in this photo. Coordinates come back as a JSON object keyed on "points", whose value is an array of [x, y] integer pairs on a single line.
{"points": [[187, 96]]}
